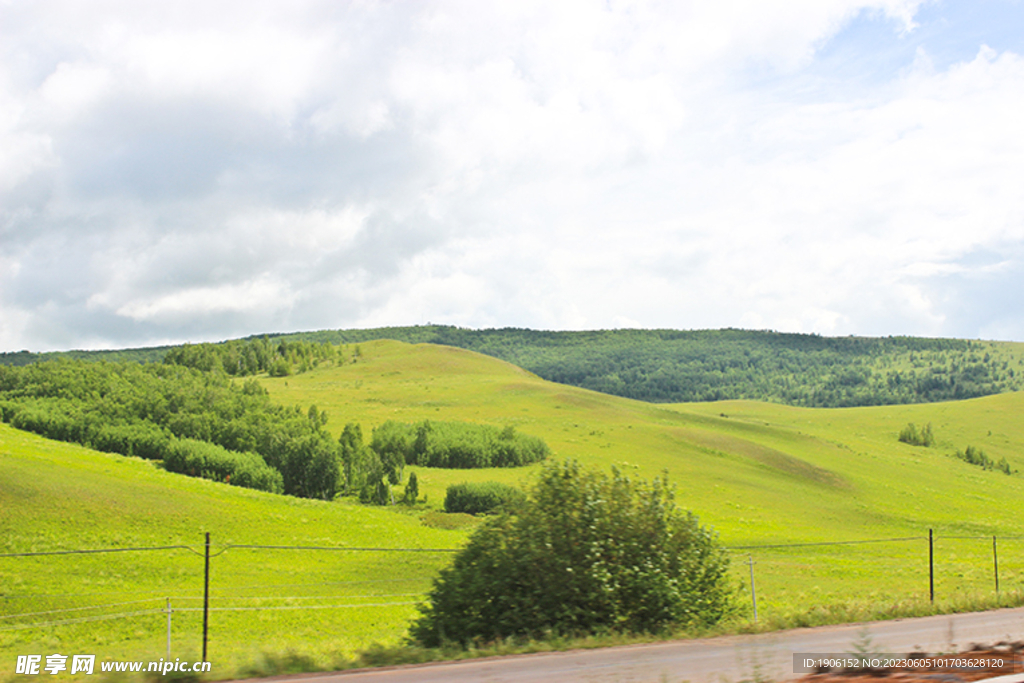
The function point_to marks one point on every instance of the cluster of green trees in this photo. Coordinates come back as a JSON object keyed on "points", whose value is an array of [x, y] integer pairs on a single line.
{"points": [[586, 552], [976, 456], [371, 469], [163, 412], [918, 437], [480, 497], [459, 445], [243, 357]]}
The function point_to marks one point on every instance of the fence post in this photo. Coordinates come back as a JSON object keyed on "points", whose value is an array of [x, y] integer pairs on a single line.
{"points": [[168, 629], [995, 564], [206, 595], [931, 567], [753, 593]]}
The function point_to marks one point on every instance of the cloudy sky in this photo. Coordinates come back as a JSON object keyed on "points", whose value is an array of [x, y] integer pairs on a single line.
{"points": [[201, 170]]}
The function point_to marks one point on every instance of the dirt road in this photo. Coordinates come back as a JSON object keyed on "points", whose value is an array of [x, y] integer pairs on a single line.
{"points": [[767, 657]]}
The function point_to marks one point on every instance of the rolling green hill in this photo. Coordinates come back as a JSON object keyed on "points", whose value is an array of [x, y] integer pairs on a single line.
{"points": [[759, 473], [837, 455]]}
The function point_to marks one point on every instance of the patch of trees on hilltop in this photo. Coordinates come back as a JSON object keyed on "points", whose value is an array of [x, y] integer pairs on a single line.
{"points": [[240, 358]]}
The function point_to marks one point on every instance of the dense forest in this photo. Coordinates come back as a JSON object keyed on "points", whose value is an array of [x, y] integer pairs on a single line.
{"points": [[661, 365]]}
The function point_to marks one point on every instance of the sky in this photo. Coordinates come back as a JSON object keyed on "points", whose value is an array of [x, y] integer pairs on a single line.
{"points": [[199, 171]]}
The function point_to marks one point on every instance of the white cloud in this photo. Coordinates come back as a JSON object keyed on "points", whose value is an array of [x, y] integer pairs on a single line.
{"points": [[197, 170], [262, 293]]}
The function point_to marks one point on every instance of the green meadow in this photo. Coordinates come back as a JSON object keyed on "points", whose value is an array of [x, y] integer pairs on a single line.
{"points": [[761, 474], [57, 496]]}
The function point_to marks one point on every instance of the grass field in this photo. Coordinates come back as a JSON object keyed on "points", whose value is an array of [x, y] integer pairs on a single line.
{"points": [[760, 474], [57, 496]]}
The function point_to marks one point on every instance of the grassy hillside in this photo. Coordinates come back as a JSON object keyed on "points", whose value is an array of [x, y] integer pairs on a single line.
{"points": [[761, 474], [56, 496]]}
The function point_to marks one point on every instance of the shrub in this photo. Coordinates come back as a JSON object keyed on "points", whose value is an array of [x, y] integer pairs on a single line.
{"points": [[412, 489], [976, 456], [280, 368], [486, 496], [911, 435], [587, 552]]}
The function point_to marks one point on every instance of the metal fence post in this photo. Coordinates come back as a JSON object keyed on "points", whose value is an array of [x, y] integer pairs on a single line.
{"points": [[168, 629], [995, 564], [931, 566], [206, 595], [753, 593]]}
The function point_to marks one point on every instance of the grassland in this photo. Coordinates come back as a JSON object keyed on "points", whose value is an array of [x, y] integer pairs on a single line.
{"points": [[56, 496], [760, 474]]}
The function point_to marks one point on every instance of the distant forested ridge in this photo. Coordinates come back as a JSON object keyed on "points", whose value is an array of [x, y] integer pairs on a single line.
{"points": [[672, 365], [668, 366]]}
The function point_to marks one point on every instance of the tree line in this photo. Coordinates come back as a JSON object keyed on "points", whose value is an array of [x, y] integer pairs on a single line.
{"points": [[205, 424], [371, 468], [241, 358], [164, 411]]}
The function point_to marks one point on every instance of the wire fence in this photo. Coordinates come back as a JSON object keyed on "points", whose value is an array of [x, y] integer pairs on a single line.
{"points": [[322, 588], [790, 577], [776, 575]]}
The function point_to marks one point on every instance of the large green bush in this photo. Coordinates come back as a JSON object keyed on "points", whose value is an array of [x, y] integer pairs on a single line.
{"points": [[587, 552], [485, 496]]}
